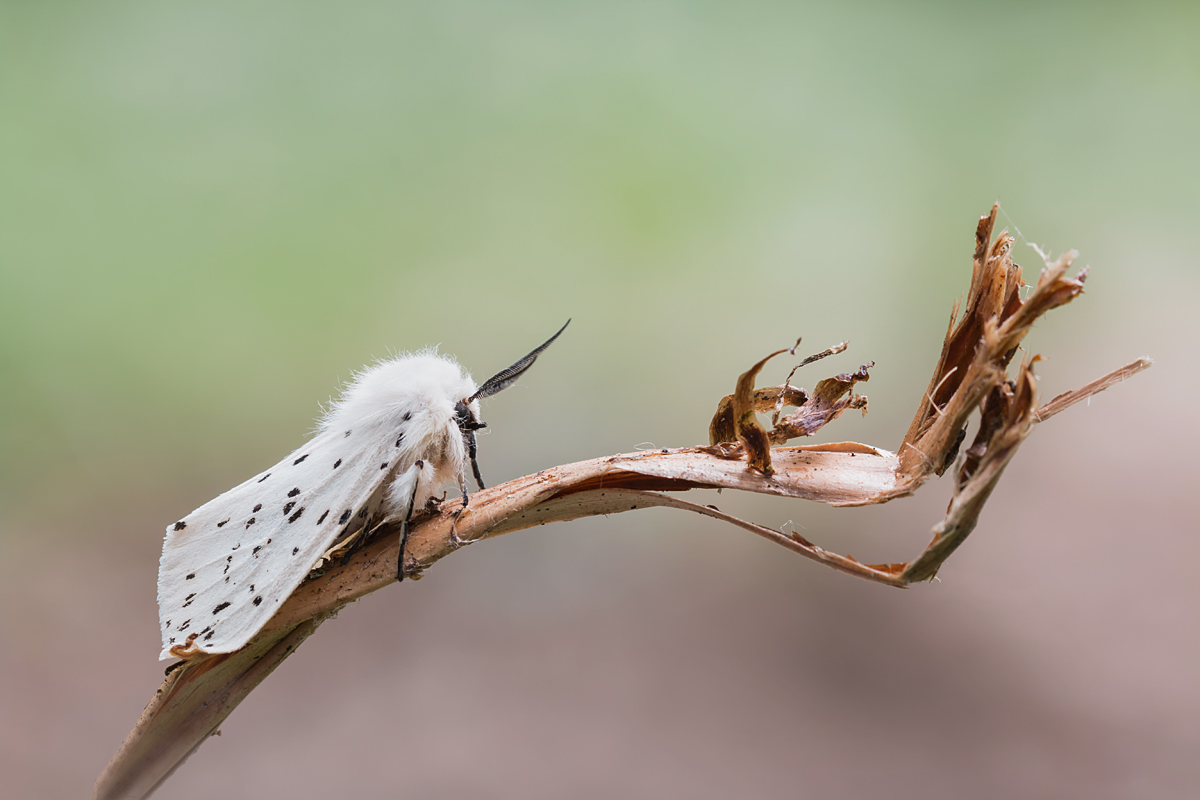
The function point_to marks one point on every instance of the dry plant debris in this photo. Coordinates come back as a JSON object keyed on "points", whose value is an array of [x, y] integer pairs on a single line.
{"points": [[971, 374]]}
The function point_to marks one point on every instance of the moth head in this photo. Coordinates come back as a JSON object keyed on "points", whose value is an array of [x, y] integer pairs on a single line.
{"points": [[465, 414], [466, 411]]}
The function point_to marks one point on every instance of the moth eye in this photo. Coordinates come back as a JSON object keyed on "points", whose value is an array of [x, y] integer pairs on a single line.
{"points": [[298, 460], [264, 477], [294, 492], [180, 525], [322, 519]]}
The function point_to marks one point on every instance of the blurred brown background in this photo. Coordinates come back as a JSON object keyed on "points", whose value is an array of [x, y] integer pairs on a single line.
{"points": [[211, 215]]}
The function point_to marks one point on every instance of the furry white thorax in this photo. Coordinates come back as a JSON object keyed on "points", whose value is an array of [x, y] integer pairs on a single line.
{"points": [[426, 387]]}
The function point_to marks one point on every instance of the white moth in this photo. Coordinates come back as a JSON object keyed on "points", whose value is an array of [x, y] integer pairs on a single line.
{"points": [[400, 431]]}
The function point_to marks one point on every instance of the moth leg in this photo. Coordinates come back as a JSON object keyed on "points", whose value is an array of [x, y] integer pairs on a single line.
{"points": [[462, 487], [472, 449], [360, 538], [404, 524], [365, 532]]}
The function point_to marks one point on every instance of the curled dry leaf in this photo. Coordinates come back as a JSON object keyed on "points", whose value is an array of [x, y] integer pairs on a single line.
{"points": [[829, 399], [971, 374], [978, 349], [749, 431], [735, 420]]}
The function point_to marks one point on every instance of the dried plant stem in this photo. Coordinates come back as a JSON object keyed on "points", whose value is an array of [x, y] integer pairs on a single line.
{"points": [[1067, 399], [971, 375]]}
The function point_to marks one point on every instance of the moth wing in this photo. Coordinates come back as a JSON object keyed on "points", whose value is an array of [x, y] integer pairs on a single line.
{"points": [[228, 566]]}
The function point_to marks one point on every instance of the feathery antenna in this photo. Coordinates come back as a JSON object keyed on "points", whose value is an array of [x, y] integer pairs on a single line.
{"points": [[507, 377]]}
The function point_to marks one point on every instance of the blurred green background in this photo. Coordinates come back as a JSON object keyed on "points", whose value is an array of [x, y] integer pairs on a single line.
{"points": [[211, 214]]}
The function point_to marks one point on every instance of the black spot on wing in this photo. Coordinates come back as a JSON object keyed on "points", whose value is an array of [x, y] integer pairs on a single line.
{"points": [[407, 416], [298, 460], [180, 525], [209, 635], [400, 439], [264, 477], [295, 550], [184, 626], [296, 516], [347, 436], [323, 516], [187, 601], [363, 514], [384, 465], [257, 600], [249, 522], [257, 508], [257, 547], [345, 517], [294, 492], [190, 575], [221, 607], [221, 524], [337, 463], [235, 547]]}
